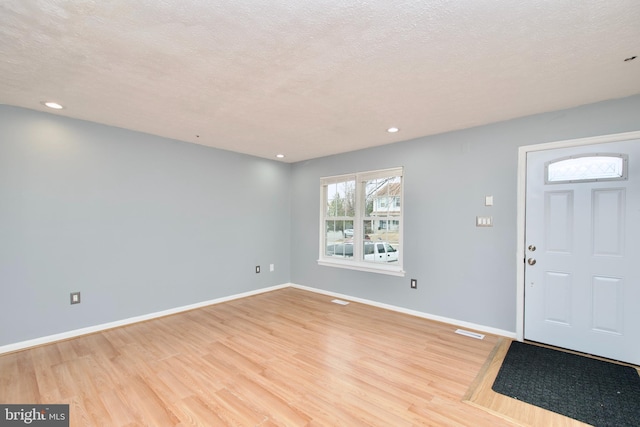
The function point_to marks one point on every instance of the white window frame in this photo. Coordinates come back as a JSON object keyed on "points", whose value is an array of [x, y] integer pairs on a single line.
{"points": [[357, 262]]}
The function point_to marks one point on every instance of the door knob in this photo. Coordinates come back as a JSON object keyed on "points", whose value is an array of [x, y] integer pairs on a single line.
{"points": [[532, 248], [531, 261]]}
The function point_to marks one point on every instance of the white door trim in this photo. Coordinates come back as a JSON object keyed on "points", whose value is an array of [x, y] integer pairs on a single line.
{"points": [[522, 181]]}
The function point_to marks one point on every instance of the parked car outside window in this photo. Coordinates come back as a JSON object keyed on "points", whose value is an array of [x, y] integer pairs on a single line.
{"points": [[373, 251]]}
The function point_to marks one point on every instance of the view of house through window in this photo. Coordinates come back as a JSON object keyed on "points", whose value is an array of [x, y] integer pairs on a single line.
{"points": [[361, 220]]}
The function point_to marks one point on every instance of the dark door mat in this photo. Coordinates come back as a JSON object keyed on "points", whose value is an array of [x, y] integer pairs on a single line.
{"points": [[588, 390]]}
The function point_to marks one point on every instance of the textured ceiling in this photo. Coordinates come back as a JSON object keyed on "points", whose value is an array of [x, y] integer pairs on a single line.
{"points": [[316, 77]]}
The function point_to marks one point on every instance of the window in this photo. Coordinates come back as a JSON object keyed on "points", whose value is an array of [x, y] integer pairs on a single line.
{"points": [[587, 168], [361, 221]]}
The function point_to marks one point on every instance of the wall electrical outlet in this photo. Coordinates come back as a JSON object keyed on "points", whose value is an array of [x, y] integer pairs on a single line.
{"points": [[414, 284], [257, 269], [75, 297], [272, 267]]}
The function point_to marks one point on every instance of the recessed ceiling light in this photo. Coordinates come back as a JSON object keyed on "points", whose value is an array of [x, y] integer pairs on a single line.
{"points": [[53, 105], [631, 58], [280, 156], [393, 130]]}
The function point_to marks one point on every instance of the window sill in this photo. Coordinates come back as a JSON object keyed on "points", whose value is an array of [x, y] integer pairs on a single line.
{"points": [[391, 269]]}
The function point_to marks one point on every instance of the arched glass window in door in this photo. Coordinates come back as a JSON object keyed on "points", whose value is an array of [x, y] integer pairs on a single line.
{"points": [[587, 168]]}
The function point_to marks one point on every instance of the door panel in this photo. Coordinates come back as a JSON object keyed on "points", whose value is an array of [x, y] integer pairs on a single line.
{"points": [[557, 298], [608, 307], [608, 221], [582, 256], [558, 218]]}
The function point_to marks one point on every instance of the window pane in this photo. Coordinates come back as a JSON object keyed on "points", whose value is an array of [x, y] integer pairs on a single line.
{"points": [[367, 229], [343, 250], [340, 200], [368, 249], [383, 196], [347, 230], [331, 237], [382, 223], [338, 232], [587, 168]]}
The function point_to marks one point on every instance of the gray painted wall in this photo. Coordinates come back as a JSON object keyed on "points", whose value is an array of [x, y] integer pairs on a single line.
{"points": [[464, 272], [141, 224], [137, 223]]}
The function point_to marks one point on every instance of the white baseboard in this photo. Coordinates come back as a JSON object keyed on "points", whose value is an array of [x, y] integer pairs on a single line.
{"points": [[97, 328], [454, 322]]}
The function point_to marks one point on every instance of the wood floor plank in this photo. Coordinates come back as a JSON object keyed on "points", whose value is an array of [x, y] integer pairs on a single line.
{"points": [[193, 411], [117, 407], [481, 395], [236, 410], [283, 358]]}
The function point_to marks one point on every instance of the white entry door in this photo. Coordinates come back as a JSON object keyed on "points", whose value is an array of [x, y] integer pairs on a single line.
{"points": [[582, 255]]}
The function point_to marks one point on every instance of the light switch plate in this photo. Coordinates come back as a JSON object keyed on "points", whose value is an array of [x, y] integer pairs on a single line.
{"points": [[484, 221]]}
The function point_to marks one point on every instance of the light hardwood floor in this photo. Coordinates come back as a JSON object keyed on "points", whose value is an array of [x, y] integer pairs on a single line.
{"points": [[286, 358], [481, 395]]}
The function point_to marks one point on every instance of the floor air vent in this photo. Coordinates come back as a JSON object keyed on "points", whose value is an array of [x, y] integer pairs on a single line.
{"points": [[470, 334], [339, 301]]}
